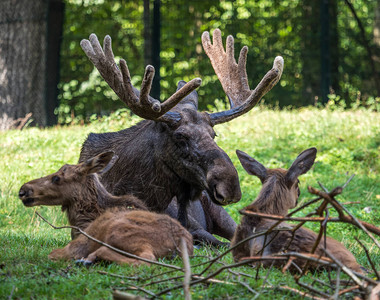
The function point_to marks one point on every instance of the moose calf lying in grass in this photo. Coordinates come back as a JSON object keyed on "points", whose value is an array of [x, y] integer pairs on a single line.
{"points": [[142, 233], [279, 193], [128, 226]]}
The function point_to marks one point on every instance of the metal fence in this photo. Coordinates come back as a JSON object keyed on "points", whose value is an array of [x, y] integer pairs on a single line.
{"points": [[321, 42]]}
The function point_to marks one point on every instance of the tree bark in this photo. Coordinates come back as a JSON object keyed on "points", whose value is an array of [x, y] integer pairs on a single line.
{"points": [[22, 60]]}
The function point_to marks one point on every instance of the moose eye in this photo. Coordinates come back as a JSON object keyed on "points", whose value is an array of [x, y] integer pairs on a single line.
{"points": [[180, 139], [55, 179]]}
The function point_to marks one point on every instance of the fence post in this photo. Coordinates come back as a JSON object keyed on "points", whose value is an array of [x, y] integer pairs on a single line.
{"points": [[54, 28], [325, 51], [156, 35]]}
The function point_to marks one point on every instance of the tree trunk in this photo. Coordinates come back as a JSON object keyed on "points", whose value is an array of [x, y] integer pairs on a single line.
{"points": [[22, 60]]}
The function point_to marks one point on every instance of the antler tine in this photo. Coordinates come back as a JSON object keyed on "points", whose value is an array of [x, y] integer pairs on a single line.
{"points": [[119, 80], [233, 76], [266, 84]]}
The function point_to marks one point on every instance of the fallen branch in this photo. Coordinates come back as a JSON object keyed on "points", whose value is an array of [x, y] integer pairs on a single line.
{"points": [[285, 256], [295, 291], [347, 290], [295, 219], [187, 270], [369, 258], [347, 218], [118, 295], [20, 123]]}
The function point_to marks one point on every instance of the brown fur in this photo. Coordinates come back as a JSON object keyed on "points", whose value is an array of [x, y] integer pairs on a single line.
{"points": [[276, 197], [78, 190], [145, 234], [205, 218], [168, 161]]}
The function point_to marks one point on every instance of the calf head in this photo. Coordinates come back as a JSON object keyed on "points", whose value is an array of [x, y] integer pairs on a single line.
{"points": [[280, 184], [66, 184]]}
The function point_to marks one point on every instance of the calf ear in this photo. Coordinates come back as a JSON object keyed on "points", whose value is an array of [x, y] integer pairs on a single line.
{"points": [[252, 166], [301, 165], [100, 163]]}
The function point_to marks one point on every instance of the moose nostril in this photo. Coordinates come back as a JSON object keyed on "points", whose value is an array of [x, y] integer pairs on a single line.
{"points": [[25, 193], [218, 195], [21, 193]]}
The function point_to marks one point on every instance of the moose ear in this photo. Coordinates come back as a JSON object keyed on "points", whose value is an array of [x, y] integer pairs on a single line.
{"points": [[100, 163], [301, 165], [190, 101], [252, 166]]}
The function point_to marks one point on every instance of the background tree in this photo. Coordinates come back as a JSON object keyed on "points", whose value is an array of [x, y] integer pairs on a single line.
{"points": [[24, 64], [22, 61]]}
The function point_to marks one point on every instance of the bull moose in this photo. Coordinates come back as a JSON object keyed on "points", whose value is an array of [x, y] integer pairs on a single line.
{"points": [[172, 153]]}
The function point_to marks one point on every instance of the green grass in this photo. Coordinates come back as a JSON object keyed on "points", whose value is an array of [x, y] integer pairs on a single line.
{"points": [[347, 142]]}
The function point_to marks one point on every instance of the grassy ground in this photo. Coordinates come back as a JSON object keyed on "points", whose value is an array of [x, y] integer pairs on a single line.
{"points": [[347, 142]]}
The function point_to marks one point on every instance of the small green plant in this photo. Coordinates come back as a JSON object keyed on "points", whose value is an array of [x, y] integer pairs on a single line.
{"points": [[335, 102]]}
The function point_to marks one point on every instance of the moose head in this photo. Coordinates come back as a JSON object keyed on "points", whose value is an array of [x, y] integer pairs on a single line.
{"points": [[280, 190]]}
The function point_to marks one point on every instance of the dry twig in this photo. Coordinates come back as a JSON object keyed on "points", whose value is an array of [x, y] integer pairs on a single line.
{"points": [[369, 258], [295, 291], [187, 270], [118, 295]]}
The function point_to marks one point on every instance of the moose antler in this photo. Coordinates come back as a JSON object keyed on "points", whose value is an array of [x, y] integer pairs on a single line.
{"points": [[233, 76], [119, 80]]}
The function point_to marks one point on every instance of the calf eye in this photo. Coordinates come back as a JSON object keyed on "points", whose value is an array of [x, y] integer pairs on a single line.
{"points": [[55, 179]]}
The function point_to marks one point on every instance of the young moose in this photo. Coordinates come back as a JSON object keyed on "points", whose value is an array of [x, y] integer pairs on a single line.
{"points": [[145, 234], [278, 194], [78, 190]]}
